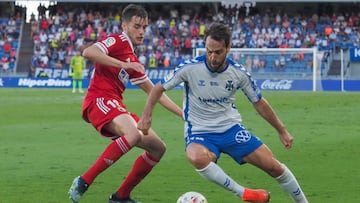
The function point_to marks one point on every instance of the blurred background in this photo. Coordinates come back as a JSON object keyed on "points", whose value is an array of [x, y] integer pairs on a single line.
{"points": [[306, 45]]}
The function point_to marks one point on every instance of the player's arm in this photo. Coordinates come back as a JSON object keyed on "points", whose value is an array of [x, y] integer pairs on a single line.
{"points": [[266, 111], [95, 54], [163, 99], [156, 95]]}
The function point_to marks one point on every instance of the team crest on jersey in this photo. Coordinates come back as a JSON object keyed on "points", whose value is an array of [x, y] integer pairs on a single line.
{"points": [[229, 85], [108, 42]]}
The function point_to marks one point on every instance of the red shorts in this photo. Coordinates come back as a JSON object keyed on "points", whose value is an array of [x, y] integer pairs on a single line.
{"points": [[102, 110]]}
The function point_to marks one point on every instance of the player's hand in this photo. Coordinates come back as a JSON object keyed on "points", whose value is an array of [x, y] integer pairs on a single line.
{"points": [[134, 66], [286, 139], [144, 125]]}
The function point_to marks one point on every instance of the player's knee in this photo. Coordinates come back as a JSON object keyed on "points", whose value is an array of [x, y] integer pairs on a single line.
{"points": [[198, 160], [133, 138], [161, 148], [154, 146]]}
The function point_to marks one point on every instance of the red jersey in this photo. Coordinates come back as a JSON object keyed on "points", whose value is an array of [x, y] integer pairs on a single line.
{"points": [[103, 101], [112, 81]]}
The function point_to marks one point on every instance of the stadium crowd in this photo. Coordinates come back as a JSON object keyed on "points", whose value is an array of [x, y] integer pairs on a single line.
{"points": [[172, 36], [10, 29]]}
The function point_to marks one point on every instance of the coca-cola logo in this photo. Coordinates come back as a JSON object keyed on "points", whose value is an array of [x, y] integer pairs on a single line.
{"points": [[277, 85]]}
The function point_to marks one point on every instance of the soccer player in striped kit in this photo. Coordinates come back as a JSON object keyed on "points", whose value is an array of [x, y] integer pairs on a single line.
{"points": [[115, 65], [213, 123]]}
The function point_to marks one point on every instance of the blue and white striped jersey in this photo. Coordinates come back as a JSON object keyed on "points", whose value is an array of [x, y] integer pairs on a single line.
{"points": [[209, 97]]}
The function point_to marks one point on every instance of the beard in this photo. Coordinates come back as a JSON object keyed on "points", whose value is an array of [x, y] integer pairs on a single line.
{"points": [[216, 66]]}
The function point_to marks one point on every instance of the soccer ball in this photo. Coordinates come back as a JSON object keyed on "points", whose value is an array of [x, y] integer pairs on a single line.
{"points": [[192, 197]]}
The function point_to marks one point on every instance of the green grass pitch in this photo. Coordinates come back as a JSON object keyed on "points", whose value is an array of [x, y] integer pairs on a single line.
{"points": [[44, 144]]}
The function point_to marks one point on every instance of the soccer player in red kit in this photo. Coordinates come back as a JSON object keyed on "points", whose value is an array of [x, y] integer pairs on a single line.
{"points": [[115, 65]]}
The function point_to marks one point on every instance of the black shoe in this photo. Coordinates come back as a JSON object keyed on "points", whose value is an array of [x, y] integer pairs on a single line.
{"points": [[114, 199]]}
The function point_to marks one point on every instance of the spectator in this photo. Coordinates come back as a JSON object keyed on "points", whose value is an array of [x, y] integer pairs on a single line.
{"points": [[277, 65], [142, 59], [248, 64], [282, 61], [166, 62], [256, 62], [202, 28], [44, 60], [44, 24], [152, 61], [161, 25], [194, 30], [7, 47], [265, 30], [4, 62], [34, 65]]}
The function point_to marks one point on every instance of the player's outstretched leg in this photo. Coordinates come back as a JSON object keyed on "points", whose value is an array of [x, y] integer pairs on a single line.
{"points": [[215, 174], [77, 189], [110, 155]]}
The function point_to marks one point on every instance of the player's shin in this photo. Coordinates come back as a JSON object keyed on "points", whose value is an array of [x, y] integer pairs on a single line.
{"points": [[214, 173], [111, 154], [289, 184], [141, 168]]}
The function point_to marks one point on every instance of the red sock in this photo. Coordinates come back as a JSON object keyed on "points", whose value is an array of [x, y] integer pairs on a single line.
{"points": [[110, 155], [142, 166]]}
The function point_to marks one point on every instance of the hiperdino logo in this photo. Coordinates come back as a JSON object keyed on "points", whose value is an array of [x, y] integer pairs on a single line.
{"points": [[28, 82], [356, 52], [1, 82]]}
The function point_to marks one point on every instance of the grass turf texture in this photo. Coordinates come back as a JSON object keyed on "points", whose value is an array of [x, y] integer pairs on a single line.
{"points": [[44, 144]]}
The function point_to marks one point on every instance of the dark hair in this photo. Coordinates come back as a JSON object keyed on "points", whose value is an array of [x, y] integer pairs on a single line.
{"points": [[219, 32], [133, 10]]}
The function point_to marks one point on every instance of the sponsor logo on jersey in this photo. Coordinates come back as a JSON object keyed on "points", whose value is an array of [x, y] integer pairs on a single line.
{"points": [[123, 76], [108, 42], [214, 100], [122, 73]]}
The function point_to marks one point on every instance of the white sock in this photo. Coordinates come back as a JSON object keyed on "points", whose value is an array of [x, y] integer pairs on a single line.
{"points": [[289, 184], [214, 173]]}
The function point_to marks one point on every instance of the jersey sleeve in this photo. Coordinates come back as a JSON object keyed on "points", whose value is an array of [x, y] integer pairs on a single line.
{"points": [[119, 47], [107, 45], [248, 85], [174, 79]]}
